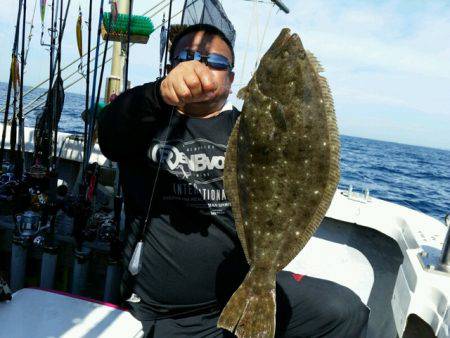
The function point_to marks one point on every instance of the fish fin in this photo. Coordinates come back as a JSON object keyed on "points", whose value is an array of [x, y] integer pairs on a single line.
{"points": [[243, 93], [333, 173], [315, 62], [250, 312], [231, 186]]}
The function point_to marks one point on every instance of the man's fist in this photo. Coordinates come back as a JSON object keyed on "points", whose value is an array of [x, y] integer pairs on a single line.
{"points": [[188, 82]]}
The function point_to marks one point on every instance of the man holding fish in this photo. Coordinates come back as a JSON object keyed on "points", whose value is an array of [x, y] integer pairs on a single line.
{"points": [[169, 138]]}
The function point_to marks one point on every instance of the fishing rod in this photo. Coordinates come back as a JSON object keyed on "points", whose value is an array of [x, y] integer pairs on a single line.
{"points": [[91, 117], [27, 107], [169, 25], [29, 110], [86, 103], [93, 49], [20, 154], [12, 78]]}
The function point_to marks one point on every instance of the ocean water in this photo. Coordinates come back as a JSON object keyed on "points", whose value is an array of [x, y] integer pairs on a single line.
{"points": [[416, 177]]}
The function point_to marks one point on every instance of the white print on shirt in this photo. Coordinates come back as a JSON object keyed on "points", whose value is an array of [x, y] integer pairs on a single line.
{"points": [[198, 161], [197, 164]]}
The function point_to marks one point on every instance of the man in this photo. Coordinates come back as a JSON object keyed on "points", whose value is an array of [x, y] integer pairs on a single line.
{"points": [[174, 132]]}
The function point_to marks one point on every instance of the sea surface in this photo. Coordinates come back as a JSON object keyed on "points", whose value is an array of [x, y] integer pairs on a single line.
{"points": [[413, 176]]}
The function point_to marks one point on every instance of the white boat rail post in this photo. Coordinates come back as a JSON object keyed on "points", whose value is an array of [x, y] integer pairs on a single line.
{"points": [[445, 253]]}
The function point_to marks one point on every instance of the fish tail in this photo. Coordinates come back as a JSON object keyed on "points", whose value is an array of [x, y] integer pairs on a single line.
{"points": [[256, 317]]}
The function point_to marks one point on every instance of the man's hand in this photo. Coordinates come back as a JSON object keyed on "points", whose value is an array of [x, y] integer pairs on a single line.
{"points": [[189, 81]]}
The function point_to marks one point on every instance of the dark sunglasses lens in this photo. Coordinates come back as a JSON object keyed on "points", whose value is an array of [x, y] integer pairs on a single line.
{"points": [[184, 56], [218, 61]]}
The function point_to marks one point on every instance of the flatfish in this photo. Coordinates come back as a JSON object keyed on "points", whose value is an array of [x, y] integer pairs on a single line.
{"points": [[281, 172]]}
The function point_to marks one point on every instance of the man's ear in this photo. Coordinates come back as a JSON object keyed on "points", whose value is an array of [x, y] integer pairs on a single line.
{"points": [[231, 75]]}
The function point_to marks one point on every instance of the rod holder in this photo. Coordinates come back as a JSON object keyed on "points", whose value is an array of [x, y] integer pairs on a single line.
{"points": [[48, 267], [80, 270], [18, 263], [112, 283]]}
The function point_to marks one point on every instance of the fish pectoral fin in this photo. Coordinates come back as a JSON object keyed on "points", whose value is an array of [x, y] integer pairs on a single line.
{"points": [[243, 93], [278, 116]]}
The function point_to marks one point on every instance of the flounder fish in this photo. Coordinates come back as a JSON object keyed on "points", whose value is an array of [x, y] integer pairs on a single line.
{"points": [[281, 172]]}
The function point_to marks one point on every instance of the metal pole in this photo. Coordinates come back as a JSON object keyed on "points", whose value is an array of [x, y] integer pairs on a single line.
{"points": [[114, 81]]}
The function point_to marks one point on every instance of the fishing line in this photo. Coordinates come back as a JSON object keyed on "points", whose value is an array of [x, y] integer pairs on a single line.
{"points": [[258, 54], [30, 35], [244, 61], [91, 50], [76, 72], [82, 77], [135, 263]]}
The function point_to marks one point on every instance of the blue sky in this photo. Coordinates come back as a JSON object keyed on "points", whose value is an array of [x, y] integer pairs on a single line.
{"points": [[387, 62]]}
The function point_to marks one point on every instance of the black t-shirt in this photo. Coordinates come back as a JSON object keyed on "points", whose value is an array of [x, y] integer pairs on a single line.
{"points": [[192, 256]]}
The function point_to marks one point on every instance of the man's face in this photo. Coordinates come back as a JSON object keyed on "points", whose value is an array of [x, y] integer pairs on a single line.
{"points": [[206, 44]]}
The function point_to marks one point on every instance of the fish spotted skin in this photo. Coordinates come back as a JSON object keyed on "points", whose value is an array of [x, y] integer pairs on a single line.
{"points": [[281, 172]]}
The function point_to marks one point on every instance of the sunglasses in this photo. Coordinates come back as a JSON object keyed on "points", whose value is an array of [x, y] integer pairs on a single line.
{"points": [[213, 60]]}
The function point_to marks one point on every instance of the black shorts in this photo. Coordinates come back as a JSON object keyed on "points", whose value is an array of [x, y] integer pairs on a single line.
{"points": [[306, 307]]}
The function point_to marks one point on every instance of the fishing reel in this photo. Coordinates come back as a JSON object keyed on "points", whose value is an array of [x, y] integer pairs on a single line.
{"points": [[29, 225], [14, 194], [5, 291], [7, 167], [105, 223]]}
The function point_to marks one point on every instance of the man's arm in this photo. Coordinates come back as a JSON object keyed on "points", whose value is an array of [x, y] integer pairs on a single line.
{"points": [[123, 124]]}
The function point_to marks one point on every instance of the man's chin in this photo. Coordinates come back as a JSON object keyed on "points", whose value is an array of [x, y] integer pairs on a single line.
{"points": [[200, 109]]}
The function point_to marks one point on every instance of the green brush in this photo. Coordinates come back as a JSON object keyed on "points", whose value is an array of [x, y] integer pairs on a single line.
{"points": [[140, 29]]}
